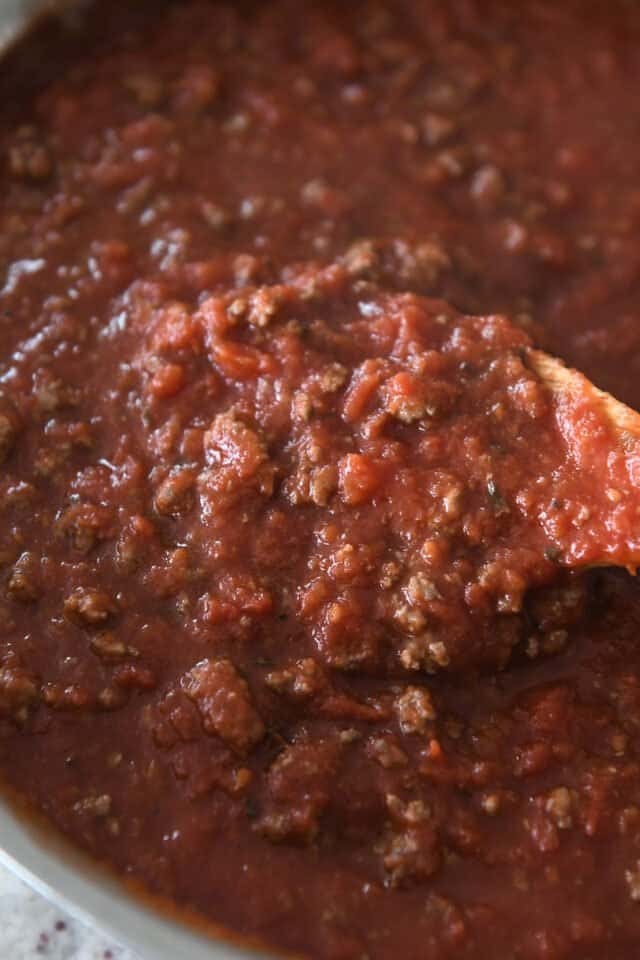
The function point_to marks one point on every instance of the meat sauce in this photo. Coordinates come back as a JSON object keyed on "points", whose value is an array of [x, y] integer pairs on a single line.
{"points": [[287, 629]]}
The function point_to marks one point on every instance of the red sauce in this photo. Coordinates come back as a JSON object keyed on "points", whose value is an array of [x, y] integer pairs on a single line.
{"points": [[283, 636]]}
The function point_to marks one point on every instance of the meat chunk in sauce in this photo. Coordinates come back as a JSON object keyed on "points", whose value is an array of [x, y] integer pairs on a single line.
{"points": [[223, 700]]}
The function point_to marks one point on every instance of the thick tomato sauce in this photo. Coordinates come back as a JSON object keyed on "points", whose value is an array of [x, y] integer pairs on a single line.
{"points": [[270, 507]]}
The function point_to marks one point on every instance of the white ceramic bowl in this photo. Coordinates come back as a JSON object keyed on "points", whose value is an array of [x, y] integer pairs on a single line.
{"points": [[48, 863]]}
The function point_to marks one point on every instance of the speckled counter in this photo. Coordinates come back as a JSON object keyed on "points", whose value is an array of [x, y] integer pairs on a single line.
{"points": [[31, 927]]}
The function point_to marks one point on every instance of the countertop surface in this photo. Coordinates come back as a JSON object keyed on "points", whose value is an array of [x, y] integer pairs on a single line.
{"points": [[31, 928]]}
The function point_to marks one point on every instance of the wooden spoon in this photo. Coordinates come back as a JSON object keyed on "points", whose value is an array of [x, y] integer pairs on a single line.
{"points": [[571, 386], [602, 436]]}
